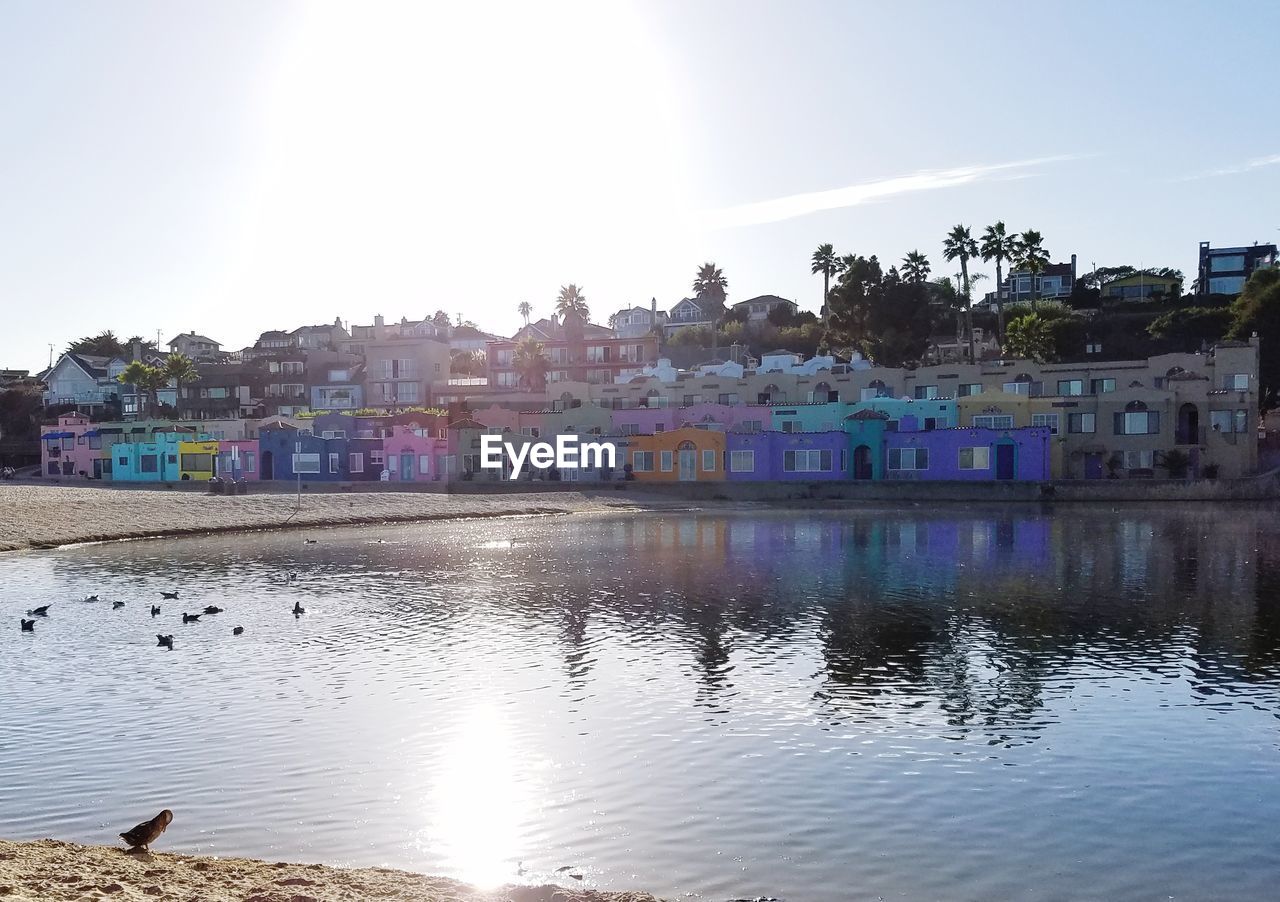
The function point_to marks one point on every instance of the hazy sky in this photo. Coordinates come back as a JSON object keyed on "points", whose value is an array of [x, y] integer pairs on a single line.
{"points": [[232, 167]]}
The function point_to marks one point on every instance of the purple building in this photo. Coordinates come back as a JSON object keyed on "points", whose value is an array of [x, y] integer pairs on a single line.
{"points": [[786, 456], [966, 454]]}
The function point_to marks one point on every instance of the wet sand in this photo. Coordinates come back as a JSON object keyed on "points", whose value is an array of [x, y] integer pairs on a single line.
{"points": [[48, 870]]}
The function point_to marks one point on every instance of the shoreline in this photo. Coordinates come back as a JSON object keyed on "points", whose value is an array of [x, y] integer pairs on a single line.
{"points": [[50, 869]]}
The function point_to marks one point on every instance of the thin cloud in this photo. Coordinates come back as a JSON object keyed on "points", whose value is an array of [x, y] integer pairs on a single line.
{"points": [[1246, 166], [796, 205]]}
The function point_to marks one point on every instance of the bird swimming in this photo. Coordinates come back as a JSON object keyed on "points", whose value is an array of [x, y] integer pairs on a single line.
{"points": [[91, 598], [155, 609], [147, 832], [28, 626], [166, 641], [237, 631], [298, 608], [42, 611], [189, 618], [213, 609], [117, 605], [309, 541], [169, 595]]}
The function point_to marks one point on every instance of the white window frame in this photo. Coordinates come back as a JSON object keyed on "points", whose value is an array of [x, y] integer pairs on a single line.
{"points": [[737, 458], [979, 458]]}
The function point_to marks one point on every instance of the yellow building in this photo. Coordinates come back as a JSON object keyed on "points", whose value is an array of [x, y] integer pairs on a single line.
{"points": [[681, 455], [197, 460]]}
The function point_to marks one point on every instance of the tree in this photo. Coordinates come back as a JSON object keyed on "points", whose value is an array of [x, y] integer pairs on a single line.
{"points": [[915, 267], [824, 262], [531, 364], [572, 300], [148, 347], [525, 309], [880, 314], [999, 246], [20, 410], [104, 344], [467, 363], [441, 319], [1192, 327], [180, 368], [711, 290], [959, 245], [1257, 310], [1029, 336], [1030, 255], [146, 379]]}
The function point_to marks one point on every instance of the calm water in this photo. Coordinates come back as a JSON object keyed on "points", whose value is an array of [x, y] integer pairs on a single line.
{"points": [[816, 706]]}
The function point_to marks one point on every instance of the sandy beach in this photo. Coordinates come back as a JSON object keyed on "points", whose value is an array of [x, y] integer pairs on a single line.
{"points": [[48, 870], [46, 516]]}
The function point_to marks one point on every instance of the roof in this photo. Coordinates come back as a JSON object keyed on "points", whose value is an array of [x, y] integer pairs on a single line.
{"points": [[1140, 277], [466, 423], [781, 352], [772, 299], [867, 414], [545, 330], [93, 365], [192, 336]]}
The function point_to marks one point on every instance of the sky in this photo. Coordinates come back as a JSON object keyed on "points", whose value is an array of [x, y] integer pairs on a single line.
{"points": [[240, 166]]}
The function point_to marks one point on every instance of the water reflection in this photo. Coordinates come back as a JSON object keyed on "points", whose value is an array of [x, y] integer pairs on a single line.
{"points": [[760, 703]]}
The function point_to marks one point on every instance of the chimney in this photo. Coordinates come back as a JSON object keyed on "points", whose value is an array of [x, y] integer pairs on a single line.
{"points": [[379, 327], [653, 310], [1073, 267], [137, 349]]}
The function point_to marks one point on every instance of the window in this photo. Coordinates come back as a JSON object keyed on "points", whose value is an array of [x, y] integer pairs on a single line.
{"points": [[291, 368], [926, 392], [1229, 420], [975, 458], [996, 421], [642, 461], [124, 462], [1137, 422], [665, 459], [742, 461], [790, 425], [147, 463], [306, 463], [1050, 285], [1101, 386], [250, 461], [729, 398], [68, 442], [1226, 263], [334, 433], [333, 461], [751, 426], [807, 461], [424, 464], [198, 462], [406, 392], [1018, 388], [1139, 460], [629, 428], [1093, 347], [1046, 419], [708, 461], [1071, 386], [1226, 285], [1236, 382], [908, 458], [690, 400], [966, 389], [1081, 422], [173, 458], [95, 441], [377, 458]]}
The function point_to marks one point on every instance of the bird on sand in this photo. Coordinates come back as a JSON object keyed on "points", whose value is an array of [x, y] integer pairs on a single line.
{"points": [[214, 609], [237, 631], [91, 598], [42, 611], [298, 609], [166, 641], [189, 618], [169, 595], [28, 626], [117, 605], [155, 609], [147, 832]]}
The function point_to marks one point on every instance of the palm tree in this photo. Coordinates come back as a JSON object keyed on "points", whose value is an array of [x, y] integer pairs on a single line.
{"points": [[1029, 254], [999, 246], [915, 267], [959, 245], [531, 364], [711, 289], [525, 309], [145, 378], [180, 368], [572, 300], [824, 261]]}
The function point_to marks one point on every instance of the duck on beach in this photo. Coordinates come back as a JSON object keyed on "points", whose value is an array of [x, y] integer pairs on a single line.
{"points": [[169, 595], [165, 641], [190, 618], [147, 832], [117, 605], [42, 611], [28, 626], [237, 631]]}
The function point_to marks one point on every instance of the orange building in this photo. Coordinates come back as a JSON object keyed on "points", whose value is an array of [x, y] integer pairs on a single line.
{"points": [[681, 455]]}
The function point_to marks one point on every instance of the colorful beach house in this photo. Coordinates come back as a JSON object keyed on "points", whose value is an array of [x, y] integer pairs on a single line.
{"points": [[787, 456], [687, 454], [197, 459], [72, 449], [971, 454], [866, 429], [153, 458], [238, 459], [414, 455]]}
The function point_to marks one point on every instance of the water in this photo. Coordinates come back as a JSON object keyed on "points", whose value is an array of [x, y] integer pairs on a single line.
{"points": [[950, 704]]}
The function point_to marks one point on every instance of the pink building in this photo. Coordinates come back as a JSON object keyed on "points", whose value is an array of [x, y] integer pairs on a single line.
{"points": [[72, 449], [238, 459], [414, 455]]}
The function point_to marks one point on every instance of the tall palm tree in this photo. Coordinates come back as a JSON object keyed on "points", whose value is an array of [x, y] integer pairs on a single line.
{"points": [[711, 289], [959, 245], [824, 261], [531, 364], [999, 246], [525, 309], [915, 267], [1029, 254], [180, 368], [145, 378], [572, 300]]}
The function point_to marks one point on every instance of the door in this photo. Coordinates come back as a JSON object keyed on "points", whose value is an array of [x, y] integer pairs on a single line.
{"points": [[268, 466], [97, 468], [862, 462], [406, 467], [688, 466], [1004, 461], [1093, 465]]}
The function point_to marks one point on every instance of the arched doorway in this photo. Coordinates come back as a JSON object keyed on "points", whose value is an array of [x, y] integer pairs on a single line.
{"points": [[688, 461], [862, 468], [772, 395], [822, 393], [268, 466], [1188, 425]]}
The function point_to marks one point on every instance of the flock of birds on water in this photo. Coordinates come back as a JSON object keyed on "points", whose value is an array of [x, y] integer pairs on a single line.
{"points": [[28, 623]]}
